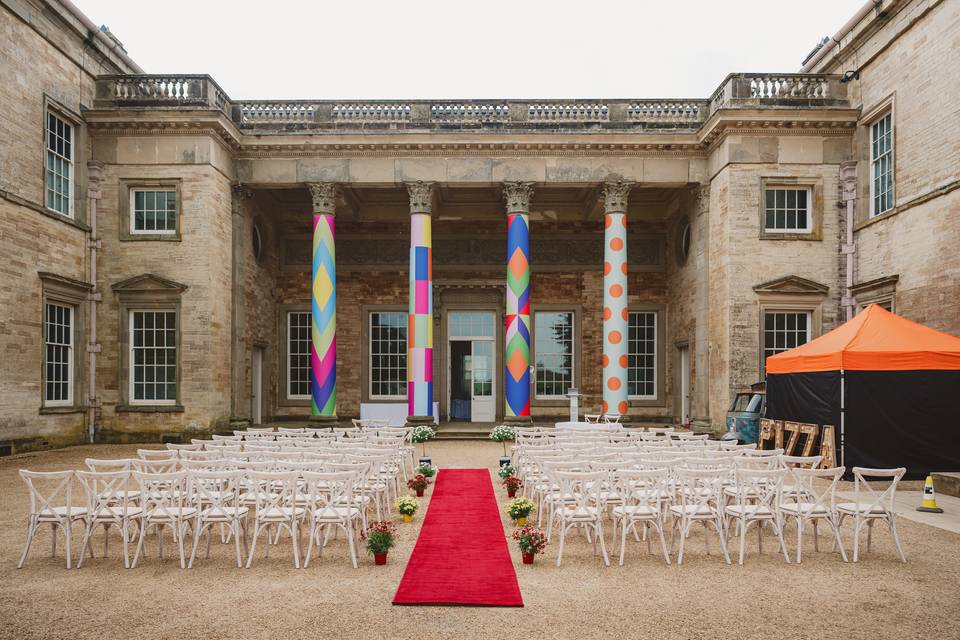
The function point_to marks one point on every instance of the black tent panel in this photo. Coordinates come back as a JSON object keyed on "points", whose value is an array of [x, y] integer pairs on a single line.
{"points": [[805, 397], [903, 419]]}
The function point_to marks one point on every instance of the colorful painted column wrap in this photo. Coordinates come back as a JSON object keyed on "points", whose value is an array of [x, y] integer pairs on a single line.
{"points": [[420, 326], [518, 316], [615, 314], [323, 347]]}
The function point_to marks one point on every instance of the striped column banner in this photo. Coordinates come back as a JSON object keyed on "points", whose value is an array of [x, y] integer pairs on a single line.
{"points": [[517, 356], [420, 322], [615, 359], [323, 306]]}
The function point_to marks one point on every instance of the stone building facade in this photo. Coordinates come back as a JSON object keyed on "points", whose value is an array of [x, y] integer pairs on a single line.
{"points": [[190, 261]]}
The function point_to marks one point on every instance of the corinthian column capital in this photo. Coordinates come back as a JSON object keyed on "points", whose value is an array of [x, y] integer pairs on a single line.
{"points": [[421, 196], [517, 196], [324, 196], [615, 195]]}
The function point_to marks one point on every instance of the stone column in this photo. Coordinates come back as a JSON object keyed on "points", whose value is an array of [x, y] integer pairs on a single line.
{"points": [[420, 318], [323, 305], [517, 343], [615, 314]]}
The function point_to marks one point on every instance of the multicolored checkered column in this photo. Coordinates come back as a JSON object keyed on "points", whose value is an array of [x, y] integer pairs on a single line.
{"points": [[323, 305], [517, 351], [420, 324], [615, 358]]}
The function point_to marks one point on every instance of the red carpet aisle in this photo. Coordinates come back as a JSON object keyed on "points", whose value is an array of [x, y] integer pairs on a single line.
{"points": [[461, 556]]}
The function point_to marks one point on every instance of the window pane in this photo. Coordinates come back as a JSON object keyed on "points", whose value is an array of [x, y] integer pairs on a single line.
{"points": [[553, 352], [642, 352], [153, 356], [388, 354]]}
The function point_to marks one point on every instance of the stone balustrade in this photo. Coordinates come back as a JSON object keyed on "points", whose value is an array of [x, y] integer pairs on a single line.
{"points": [[737, 91]]}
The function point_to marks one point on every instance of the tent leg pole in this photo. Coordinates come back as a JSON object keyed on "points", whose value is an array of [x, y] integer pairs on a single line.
{"points": [[843, 418]]}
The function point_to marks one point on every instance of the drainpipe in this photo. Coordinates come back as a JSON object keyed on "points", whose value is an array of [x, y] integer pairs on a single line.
{"points": [[848, 182], [94, 180], [840, 35]]}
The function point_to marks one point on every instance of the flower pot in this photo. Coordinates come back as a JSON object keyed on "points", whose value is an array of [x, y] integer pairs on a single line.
{"points": [[521, 521], [504, 461], [527, 557], [425, 460], [511, 493], [380, 558], [419, 493], [407, 518]]}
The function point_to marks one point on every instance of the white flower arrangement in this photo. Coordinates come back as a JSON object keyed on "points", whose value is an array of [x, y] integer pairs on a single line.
{"points": [[422, 433], [502, 433]]}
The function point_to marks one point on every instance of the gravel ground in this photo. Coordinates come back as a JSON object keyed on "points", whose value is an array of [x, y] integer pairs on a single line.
{"points": [[823, 598]]}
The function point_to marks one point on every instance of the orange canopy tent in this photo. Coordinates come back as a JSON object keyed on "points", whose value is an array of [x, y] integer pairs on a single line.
{"points": [[874, 340], [891, 385]]}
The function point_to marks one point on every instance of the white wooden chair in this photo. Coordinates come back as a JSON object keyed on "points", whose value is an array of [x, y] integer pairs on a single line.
{"points": [[583, 509], [757, 494], [642, 494], [813, 504], [156, 454], [275, 497], [871, 504], [701, 500], [163, 500], [51, 494], [109, 502], [331, 501], [215, 496], [196, 446]]}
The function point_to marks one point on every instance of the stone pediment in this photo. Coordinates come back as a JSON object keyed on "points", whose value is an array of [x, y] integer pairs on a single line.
{"points": [[148, 283], [792, 285]]}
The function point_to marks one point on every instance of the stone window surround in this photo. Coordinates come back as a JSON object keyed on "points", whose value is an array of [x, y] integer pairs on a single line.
{"points": [[79, 177], [878, 291], [814, 206], [127, 187], [57, 289], [577, 311], [789, 302], [146, 300], [661, 311], [283, 345], [864, 168]]}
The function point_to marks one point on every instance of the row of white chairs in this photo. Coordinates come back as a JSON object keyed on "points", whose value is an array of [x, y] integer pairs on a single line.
{"points": [[714, 487], [325, 495]]}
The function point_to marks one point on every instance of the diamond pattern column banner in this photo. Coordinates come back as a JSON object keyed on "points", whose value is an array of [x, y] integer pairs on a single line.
{"points": [[323, 299], [517, 342]]}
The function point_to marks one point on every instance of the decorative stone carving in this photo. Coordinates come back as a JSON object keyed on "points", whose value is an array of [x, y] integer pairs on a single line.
{"points": [[615, 195], [94, 179], [421, 196], [324, 196], [240, 193], [517, 195]]}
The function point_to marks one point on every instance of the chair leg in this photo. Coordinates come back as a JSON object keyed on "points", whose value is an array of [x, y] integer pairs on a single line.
{"points": [[181, 529], [663, 542], [253, 546], [196, 543], [684, 530], [563, 535], [856, 539], [783, 545], [84, 543], [837, 541], [311, 536], [603, 545], [136, 554], [743, 539], [53, 539], [896, 538], [799, 537], [623, 539], [31, 532], [68, 533], [296, 543], [351, 542]]}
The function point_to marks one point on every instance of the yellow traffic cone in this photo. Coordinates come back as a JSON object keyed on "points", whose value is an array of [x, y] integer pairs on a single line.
{"points": [[929, 503]]}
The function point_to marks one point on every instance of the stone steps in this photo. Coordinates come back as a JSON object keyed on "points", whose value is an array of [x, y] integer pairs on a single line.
{"points": [[946, 483]]}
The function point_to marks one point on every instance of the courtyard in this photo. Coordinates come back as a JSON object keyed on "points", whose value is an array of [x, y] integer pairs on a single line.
{"points": [[822, 597]]}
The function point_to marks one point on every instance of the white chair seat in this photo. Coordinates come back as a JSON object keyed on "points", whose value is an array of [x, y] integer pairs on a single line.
{"points": [[281, 513], [171, 513], [577, 513], [335, 514], [692, 510], [863, 508], [130, 494], [751, 510], [57, 513], [112, 513], [634, 511], [225, 513], [804, 508]]}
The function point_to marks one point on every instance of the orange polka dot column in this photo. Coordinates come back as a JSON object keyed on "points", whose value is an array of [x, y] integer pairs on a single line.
{"points": [[615, 360]]}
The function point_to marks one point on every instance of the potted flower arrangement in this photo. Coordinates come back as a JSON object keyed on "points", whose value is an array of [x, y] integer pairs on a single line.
{"points": [[418, 483], [407, 506], [531, 541], [512, 483], [420, 435], [503, 434], [506, 472], [380, 538], [519, 509], [427, 471]]}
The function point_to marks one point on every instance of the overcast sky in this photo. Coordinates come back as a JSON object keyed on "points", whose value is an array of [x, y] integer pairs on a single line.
{"points": [[468, 48]]}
